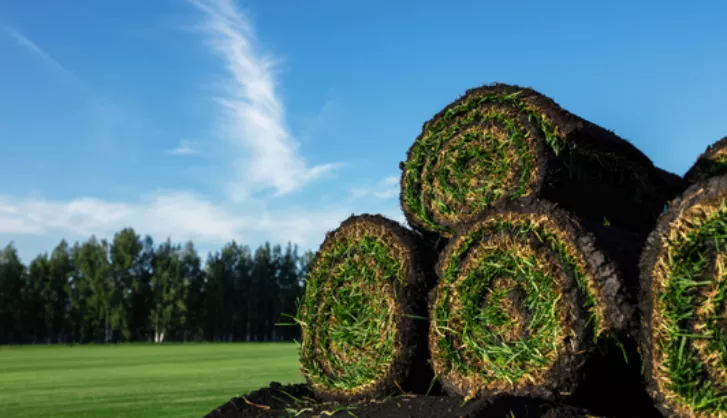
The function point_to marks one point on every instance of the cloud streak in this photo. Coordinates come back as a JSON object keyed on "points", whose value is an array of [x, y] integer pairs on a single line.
{"points": [[185, 147], [46, 58], [386, 188], [253, 113]]}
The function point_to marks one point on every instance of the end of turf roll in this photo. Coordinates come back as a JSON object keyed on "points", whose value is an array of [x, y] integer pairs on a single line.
{"points": [[525, 297], [712, 162], [363, 315], [503, 142], [683, 328]]}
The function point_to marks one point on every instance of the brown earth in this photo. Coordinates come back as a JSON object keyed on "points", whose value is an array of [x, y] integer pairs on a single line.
{"points": [[297, 400]]}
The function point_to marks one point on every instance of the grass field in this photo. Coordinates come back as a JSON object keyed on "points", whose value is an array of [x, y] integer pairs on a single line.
{"points": [[170, 380]]}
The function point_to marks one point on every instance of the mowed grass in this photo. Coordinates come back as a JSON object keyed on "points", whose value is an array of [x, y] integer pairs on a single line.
{"points": [[145, 380]]}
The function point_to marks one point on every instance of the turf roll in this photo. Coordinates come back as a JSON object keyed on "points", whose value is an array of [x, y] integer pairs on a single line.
{"points": [[502, 142], [524, 299], [683, 330], [712, 162], [363, 315]]}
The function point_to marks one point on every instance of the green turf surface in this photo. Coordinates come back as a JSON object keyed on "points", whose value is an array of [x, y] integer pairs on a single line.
{"points": [[175, 380]]}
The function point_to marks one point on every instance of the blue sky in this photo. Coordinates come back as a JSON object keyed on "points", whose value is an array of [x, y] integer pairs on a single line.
{"points": [[258, 120]]}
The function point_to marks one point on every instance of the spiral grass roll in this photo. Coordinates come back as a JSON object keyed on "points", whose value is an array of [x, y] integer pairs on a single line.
{"points": [[683, 272], [712, 162], [502, 142], [363, 315], [524, 294]]}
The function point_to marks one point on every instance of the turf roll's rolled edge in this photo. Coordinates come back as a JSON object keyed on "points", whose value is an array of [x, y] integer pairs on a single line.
{"points": [[363, 316], [712, 162], [683, 339], [501, 142], [524, 298]]}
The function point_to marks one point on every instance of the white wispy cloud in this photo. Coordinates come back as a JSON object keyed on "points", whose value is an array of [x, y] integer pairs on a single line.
{"points": [[179, 215], [386, 188], [185, 147], [45, 57], [253, 113]]}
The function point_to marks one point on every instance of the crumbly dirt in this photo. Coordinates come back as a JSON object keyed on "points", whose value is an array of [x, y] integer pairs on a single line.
{"points": [[297, 400]]}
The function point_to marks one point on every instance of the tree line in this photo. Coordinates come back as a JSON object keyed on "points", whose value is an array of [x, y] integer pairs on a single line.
{"points": [[130, 289]]}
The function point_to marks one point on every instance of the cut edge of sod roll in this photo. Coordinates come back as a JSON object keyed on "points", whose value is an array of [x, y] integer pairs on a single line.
{"points": [[523, 299], [712, 162], [363, 315], [683, 325], [503, 142]]}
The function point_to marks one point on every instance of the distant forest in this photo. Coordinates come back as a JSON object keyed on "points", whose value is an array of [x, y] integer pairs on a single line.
{"points": [[130, 289]]}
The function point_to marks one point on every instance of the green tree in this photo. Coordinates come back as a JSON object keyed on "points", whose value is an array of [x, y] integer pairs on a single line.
{"points": [[274, 296], [126, 256], [288, 291], [262, 303], [12, 281], [304, 265], [240, 299], [218, 287], [34, 300], [168, 301], [95, 270], [55, 296], [78, 292], [193, 278], [141, 293], [211, 297]]}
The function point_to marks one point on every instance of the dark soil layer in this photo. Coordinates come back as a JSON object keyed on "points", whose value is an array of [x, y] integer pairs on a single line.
{"points": [[712, 162], [501, 142], [277, 401], [390, 271], [683, 304]]}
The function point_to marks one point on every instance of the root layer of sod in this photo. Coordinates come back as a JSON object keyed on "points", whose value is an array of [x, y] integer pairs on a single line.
{"points": [[501, 142], [363, 315], [683, 274], [712, 162], [278, 400], [526, 303]]}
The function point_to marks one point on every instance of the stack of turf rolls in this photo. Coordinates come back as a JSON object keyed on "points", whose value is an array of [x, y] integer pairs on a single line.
{"points": [[683, 275], [519, 275], [530, 281]]}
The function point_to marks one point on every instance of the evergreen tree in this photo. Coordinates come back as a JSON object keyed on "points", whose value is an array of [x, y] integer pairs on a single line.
{"points": [[33, 298], [288, 290], [241, 300], [193, 278], [55, 297], [12, 282]]}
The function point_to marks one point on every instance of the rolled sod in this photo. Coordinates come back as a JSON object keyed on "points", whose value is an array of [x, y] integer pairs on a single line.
{"points": [[363, 316], [683, 271], [525, 295], [502, 142], [712, 162]]}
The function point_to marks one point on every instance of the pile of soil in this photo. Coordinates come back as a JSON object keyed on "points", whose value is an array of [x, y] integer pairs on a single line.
{"points": [[297, 400]]}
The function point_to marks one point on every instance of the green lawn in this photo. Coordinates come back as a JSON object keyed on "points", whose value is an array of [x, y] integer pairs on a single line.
{"points": [[170, 380]]}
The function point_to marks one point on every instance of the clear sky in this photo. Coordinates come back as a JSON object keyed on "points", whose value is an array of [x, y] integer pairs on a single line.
{"points": [[258, 120]]}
